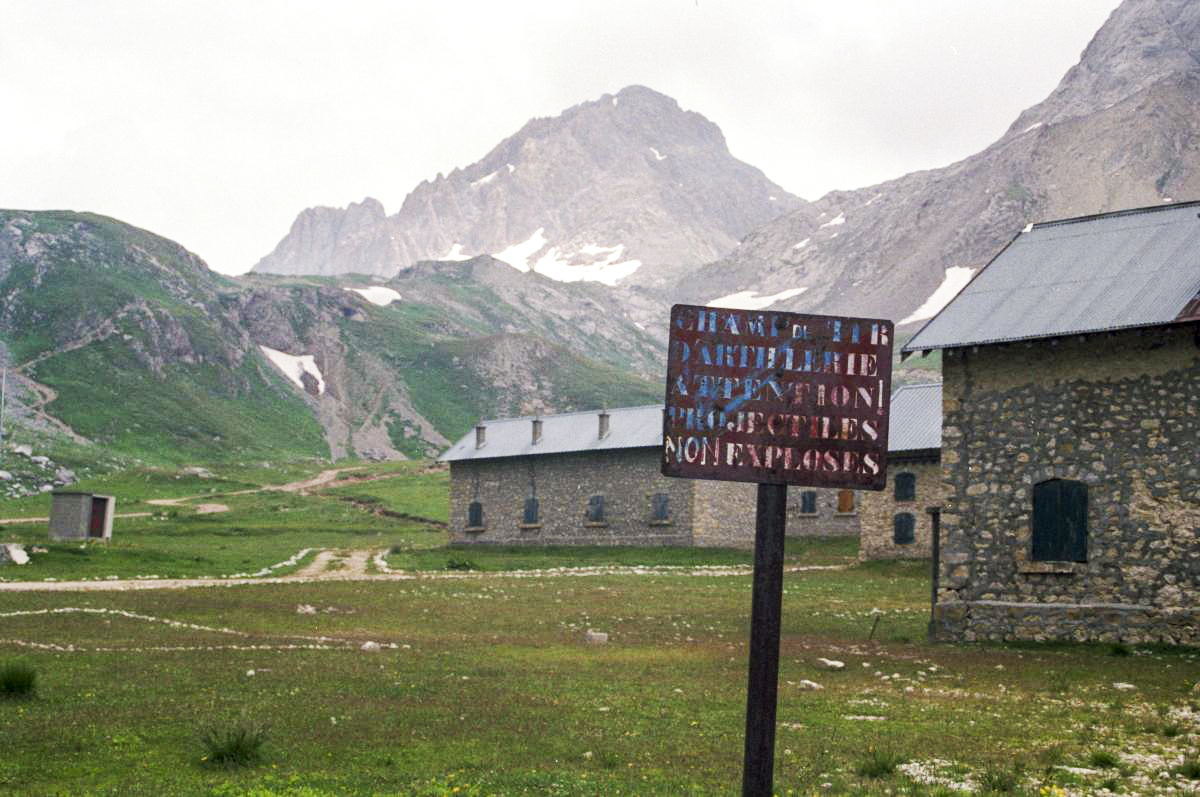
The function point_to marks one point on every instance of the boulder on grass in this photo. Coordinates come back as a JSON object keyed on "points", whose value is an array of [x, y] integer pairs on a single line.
{"points": [[12, 552]]}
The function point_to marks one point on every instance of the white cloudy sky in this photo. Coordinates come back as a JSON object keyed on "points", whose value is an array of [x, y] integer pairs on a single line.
{"points": [[215, 122]]}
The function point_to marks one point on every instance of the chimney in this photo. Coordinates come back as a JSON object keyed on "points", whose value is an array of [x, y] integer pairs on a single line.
{"points": [[480, 435], [537, 430], [604, 416]]}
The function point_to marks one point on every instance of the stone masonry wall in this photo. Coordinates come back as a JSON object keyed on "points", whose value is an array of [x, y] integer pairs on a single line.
{"points": [[827, 521], [563, 483], [725, 513], [879, 508], [1117, 411]]}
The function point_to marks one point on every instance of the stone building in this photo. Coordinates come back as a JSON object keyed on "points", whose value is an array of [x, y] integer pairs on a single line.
{"points": [[894, 522], [586, 478], [1071, 368]]}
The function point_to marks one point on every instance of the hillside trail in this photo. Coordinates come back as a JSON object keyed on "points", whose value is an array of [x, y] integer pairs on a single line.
{"points": [[43, 395], [320, 480]]}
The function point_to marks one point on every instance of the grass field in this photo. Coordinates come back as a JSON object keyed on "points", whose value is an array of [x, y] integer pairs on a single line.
{"points": [[484, 684]]}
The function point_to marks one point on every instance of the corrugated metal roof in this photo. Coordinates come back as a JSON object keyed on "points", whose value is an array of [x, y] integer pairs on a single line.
{"points": [[1132, 268], [915, 418], [628, 427]]}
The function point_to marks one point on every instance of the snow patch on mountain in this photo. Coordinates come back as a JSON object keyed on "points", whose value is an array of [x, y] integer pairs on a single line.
{"points": [[518, 255], [1033, 126], [955, 280], [294, 366], [455, 254], [841, 219], [558, 265], [377, 294], [591, 263], [802, 244], [658, 156], [750, 300], [487, 178]]}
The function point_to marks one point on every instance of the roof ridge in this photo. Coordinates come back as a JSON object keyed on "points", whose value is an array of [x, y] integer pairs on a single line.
{"points": [[609, 410], [1116, 214]]}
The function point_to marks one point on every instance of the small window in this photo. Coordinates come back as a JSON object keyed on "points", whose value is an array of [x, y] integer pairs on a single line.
{"points": [[904, 528], [532, 512], [906, 487], [1060, 521], [845, 502], [808, 502], [475, 515], [595, 509], [660, 508]]}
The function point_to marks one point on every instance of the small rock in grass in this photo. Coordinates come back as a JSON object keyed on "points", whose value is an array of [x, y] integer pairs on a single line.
{"points": [[5, 476], [304, 608], [14, 553], [249, 673], [808, 686], [1196, 688], [1123, 687], [370, 647], [595, 637], [831, 664]]}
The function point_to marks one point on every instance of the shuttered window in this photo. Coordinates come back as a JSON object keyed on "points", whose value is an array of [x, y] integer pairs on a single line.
{"points": [[845, 501], [904, 528], [595, 509], [808, 502], [906, 487], [475, 515], [1060, 521], [532, 511], [660, 508]]}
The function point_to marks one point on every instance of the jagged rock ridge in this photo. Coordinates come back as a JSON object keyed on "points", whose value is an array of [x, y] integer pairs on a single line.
{"points": [[1119, 131]]}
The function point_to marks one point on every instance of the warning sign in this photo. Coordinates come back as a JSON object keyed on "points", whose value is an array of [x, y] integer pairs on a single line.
{"points": [[777, 398]]}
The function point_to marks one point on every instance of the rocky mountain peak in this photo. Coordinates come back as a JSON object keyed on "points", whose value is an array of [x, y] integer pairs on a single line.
{"points": [[1143, 42], [625, 185]]}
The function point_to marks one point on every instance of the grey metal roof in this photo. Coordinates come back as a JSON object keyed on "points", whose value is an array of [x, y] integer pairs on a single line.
{"points": [[628, 427], [1131, 268], [915, 418], [915, 424]]}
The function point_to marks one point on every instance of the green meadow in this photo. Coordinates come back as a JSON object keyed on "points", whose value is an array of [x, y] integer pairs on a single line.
{"points": [[483, 683]]}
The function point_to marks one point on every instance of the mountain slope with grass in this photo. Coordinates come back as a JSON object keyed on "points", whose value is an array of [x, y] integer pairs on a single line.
{"points": [[121, 340]]}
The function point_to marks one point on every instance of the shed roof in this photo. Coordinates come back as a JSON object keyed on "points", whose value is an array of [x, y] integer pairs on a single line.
{"points": [[915, 421], [1132, 268], [628, 427]]}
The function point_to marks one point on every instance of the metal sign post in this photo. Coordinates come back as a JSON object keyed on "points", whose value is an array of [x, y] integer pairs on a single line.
{"points": [[775, 399]]}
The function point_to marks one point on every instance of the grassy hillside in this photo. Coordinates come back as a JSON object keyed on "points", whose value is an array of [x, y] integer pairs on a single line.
{"points": [[143, 350]]}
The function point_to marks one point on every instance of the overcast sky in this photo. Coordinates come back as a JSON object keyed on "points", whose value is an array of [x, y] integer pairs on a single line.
{"points": [[214, 123]]}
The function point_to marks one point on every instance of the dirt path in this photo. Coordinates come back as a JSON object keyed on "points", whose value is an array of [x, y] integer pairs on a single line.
{"points": [[320, 480], [336, 564], [355, 570], [47, 520]]}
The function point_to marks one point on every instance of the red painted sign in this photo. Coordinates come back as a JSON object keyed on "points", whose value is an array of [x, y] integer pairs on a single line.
{"points": [[777, 398]]}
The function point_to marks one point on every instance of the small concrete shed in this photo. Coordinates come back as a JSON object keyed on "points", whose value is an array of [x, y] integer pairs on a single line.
{"points": [[81, 516]]}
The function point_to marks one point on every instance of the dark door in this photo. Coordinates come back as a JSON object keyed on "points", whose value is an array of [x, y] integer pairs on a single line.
{"points": [[96, 522]]}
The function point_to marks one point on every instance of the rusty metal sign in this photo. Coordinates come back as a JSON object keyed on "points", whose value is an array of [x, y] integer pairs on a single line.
{"points": [[777, 398]]}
